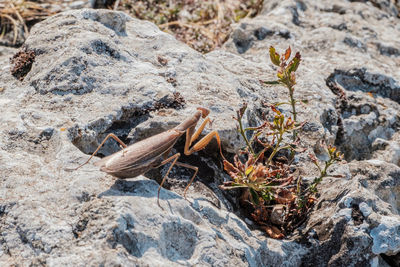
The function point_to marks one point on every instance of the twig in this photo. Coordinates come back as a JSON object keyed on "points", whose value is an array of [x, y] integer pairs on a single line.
{"points": [[20, 18], [14, 22], [116, 4]]}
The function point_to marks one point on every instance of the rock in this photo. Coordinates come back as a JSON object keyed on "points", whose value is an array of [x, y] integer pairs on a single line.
{"points": [[359, 217], [81, 71], [103, 74], [98, 71], [347, 52], [387, 150]]}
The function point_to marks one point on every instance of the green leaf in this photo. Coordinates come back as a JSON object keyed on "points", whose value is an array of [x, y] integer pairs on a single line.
{"points": [[233, 186], [250, 129], [280, 75], [271, 82], [274, 56], [281, 103], [281, 120], [276, 121], [294, 64], [254, 196], [249, 170], [267, 196]]}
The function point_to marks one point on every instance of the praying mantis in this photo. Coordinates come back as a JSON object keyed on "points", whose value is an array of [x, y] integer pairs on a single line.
{"points": [[153, 152]]}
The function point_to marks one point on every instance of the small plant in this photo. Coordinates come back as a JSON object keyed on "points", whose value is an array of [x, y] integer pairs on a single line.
{"points": [[278, 197], [286, 76], [334, 156]]}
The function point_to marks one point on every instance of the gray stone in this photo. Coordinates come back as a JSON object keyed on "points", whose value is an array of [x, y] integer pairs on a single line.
{"points": [[97, 72], [358, 211]]}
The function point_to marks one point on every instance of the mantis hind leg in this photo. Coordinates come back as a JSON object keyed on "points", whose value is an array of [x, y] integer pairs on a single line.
{"points": [[174, 159], [191, 179], [111, 135]]}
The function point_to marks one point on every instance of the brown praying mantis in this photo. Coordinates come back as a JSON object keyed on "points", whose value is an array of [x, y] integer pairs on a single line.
{"points": [[138, 158]]}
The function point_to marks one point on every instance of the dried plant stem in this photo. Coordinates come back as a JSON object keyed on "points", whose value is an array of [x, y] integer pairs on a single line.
{"points": [[116, 4], [19, 14], [187, 25]]}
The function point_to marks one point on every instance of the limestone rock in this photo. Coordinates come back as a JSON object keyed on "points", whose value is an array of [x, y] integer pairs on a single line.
{"points": [[359, 220]]}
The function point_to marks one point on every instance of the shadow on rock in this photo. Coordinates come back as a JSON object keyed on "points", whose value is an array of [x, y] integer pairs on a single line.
{"points": [[140, 188]]}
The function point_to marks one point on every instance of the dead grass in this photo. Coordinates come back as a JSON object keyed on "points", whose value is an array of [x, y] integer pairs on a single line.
{"points": [[203, 25], [17, 16]]}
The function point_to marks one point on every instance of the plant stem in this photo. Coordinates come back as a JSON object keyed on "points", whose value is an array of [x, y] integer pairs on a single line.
{"points": [[276, 148], [244, 136], [293, 104], [322, 174]]}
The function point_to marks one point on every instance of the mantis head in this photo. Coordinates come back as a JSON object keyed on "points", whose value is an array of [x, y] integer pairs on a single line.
{"points": [[204, 112]]}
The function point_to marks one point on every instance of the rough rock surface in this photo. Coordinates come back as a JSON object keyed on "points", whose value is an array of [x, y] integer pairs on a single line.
{"points": [[98, 71]]}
